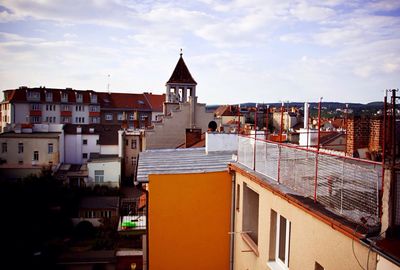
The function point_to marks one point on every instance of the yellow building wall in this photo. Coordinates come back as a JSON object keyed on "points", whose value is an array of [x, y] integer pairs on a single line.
{"points": [[189, 221], [311, 240]]}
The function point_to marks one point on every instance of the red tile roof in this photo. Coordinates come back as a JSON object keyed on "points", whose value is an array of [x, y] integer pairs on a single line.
{"points": [[226, 110], [20, 94], [181, 74], [124, 101], [156, 101]]}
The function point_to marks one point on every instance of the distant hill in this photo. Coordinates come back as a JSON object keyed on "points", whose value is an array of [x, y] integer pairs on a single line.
{"points": [[358, 108]]}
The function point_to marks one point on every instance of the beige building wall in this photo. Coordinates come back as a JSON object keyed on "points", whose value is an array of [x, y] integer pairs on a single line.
{"points": [[172, 131], [30, 144], [131, 152], [311, 240]]}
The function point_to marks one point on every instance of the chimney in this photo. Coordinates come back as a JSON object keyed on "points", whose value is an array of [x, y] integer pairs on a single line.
{"points": [[305, 115]]}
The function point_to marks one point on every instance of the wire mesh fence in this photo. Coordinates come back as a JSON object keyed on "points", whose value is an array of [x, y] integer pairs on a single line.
{"points": [[350, 187]]}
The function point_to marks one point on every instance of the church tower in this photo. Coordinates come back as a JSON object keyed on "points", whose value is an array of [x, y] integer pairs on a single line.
{"points": [[181, 88]]}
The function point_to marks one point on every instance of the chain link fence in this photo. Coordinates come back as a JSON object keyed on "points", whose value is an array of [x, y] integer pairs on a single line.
{"points": [[347, 186]]}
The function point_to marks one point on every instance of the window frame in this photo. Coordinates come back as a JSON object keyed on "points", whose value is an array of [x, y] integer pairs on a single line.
{"points": [[4, 147], [99, 177], [283, 264], [20, 148], [35, 156], [50, 146]]}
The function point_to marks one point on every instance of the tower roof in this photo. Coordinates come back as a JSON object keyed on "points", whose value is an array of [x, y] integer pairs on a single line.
{"points": [[181, 73]]}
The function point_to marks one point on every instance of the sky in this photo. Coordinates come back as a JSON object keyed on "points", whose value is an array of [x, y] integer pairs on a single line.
{"points": [[237, 51]]}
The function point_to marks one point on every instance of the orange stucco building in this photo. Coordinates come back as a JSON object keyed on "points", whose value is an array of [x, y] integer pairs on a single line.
{"points": [[189, 221]]}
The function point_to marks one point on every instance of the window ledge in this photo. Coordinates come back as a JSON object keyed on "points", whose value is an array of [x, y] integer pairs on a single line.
{"points": [[253, 246], [273, 265]]}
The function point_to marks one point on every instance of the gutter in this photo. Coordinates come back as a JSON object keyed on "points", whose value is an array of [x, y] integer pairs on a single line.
{"points": [[232, 229]]}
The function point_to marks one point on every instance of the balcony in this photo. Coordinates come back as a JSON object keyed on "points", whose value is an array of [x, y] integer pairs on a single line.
{"points": [[35, 113], [66, 113], [348, 186], [94, 114]]}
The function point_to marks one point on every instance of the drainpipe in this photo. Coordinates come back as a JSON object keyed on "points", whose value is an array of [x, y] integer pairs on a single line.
{"points": [[232, 229]]}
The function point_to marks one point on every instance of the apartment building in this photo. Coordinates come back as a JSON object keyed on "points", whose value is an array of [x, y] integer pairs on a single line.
{"points": [[297, 209], [69, 106], [117, 107], [28, 149]]}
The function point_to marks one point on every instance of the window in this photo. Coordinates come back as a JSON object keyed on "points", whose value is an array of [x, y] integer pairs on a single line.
{"points": [[97, 142], [65, 108], [35, 107], [84, 142], [50, 107], [94, 98], [250, 213], [120, 116], [143, 117], [65, 119], [50, 148], [133, 161], [35, 155], [109, 117], [79, 97], [49, 96], [94, 108], [84, 155], [31, 95], [279, 240], [131, 117], [35, 119], [20, 148], [133, 144], [237, 197], [64, 97], [126, 142], [99, 176], [4, 147]]}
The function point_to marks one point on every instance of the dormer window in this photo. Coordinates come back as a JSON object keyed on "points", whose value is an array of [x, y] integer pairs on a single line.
{"points": [[141, 102], [93, 98], [49, 97], [33, 95], [79, 97], [64, 97]]}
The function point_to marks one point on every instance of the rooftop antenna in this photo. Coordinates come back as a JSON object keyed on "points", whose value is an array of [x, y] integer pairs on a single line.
{"points": [[181, 52], [108, 84]]}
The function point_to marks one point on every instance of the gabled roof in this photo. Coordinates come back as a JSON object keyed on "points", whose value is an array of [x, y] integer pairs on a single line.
{"points": [[20, 94], [181, 74], [123, 101], [226, 110], [156, 101]]}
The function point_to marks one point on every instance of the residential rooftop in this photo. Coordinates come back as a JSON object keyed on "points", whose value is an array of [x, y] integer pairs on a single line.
{"points": [[181, 161]]}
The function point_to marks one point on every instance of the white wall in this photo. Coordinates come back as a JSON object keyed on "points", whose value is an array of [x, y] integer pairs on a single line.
{"points": [[312, 137], [221, 142], [84, 113], [91, 146], [21, 112], [112, 172], [73, 152], [109, 150], [55, 113], [74, 147]]}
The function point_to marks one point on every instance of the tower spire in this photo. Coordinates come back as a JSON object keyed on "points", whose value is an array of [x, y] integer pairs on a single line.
{"points": [[181, 52]]}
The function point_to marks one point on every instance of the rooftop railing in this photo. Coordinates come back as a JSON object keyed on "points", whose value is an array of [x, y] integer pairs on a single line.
{"points": [[344, 185]]}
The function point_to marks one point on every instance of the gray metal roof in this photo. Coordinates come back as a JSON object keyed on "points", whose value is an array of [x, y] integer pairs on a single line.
{"points": [[180, 161]]}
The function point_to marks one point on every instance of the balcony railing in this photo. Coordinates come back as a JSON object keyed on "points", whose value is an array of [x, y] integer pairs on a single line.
{"points": [[347, 186]]}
